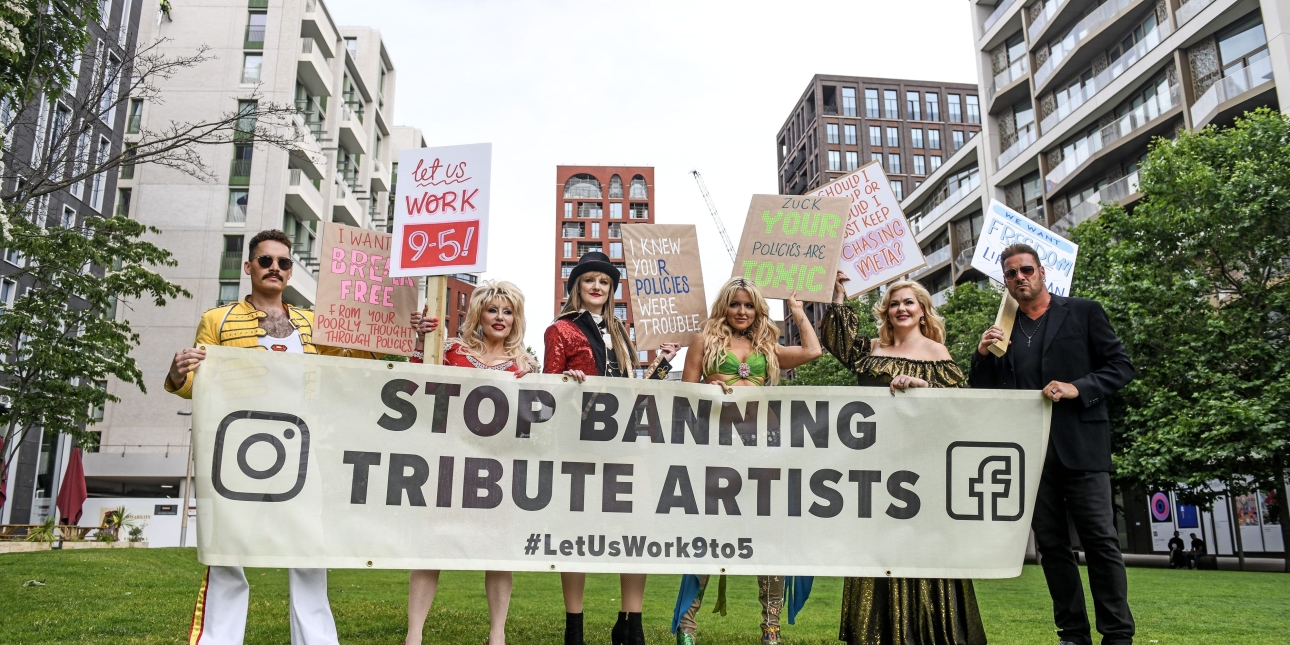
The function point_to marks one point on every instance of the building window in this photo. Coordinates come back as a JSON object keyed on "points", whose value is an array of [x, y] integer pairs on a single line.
{"points": [[8, 290], [615, 230], [875, 156], [898, 188], [835, 160], [848, 101], [871, 103], [615, 187], [582, 186], [80, 164], [640, 211], [566, 269], [227, 293], [875, 136], [1242, 45], [590, 247], [615, 209], [891, 104], [123, 202], [933, 106], [832, 130], [638, 189], [351, 44], [615, 250], [111, 81], [853, 160], [920, 165], [568, 210], [620, 311], [237, 206], [893, 163], [912, 107], [957, 137], [251, 64], [571, 230], [933, 139], [849, 134], [100, 179], [916, 137], [595, 229], [893, 137], [590, 210], [934, 162], [568, 249], [69, 218], [973, 109], [136, 116], [955, 109]]}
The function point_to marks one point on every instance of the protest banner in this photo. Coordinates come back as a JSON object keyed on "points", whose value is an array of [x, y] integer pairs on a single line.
{"points": [[666, 283], [441, 210], [878, 245], [792, 243], [359, 304], [1004, 227], [319, 461]]}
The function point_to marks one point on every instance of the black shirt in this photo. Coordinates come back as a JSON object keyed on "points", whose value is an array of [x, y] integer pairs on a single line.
{"points": [[1198, 545], [1027, 351], [1175, 544]]}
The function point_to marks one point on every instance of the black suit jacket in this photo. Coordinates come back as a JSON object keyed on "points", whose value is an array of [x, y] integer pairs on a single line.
{"points": [[1080, 348]]}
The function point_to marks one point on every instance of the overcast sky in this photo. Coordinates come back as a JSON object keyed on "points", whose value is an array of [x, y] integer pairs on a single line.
{"points": [[673, 85]]}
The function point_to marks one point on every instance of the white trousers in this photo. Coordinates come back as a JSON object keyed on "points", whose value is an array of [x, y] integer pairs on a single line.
{"points": [[220, 615]]}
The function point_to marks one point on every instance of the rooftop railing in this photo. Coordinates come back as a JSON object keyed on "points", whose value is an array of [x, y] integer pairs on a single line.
{"points": [[1231, 86], [1076, 36], [1122, 127], [1104, 78]]}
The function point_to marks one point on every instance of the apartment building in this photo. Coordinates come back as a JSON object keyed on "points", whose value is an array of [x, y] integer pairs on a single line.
{"points": [[341, 83], [593, 203], [1073, 94], [41, 135], [843, 122]]}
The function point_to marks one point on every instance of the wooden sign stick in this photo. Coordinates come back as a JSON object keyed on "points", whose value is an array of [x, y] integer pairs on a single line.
{"points": [[1004, 320], [436, 303]]}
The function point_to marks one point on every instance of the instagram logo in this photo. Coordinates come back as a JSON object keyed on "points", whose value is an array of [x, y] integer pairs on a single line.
{"points": [[270, 460]]}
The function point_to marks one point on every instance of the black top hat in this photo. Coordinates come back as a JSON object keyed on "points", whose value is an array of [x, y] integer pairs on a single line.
{"points": [[592, 261]]}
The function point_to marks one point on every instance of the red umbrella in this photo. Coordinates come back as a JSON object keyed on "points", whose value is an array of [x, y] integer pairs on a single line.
{"points": [[73, 494]]}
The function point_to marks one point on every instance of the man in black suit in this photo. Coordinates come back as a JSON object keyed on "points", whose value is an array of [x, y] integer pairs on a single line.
{"points": [[1066, 347]]}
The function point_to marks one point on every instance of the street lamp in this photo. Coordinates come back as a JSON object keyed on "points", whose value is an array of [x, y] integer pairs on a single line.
{"points": [[188, 481]]}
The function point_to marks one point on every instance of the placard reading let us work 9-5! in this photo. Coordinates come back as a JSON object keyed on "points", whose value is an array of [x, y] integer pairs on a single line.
{"points": [[792, 243], [441, 210]]}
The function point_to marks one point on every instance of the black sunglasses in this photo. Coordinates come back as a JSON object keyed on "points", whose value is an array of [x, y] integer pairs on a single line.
{"points": [[1011, 274], [266, 261]]}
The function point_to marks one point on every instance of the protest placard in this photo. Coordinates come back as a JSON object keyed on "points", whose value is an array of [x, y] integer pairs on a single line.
{"points": [[441, 210], [878, 245], [792, 243], [1003, 227], [359, 304], [665, 279]]}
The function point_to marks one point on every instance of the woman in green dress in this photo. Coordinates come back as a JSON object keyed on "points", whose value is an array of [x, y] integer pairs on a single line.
{"points": [[908, 352]]}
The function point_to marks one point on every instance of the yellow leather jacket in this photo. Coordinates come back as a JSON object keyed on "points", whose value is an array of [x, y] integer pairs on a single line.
{"points": [[238, 325]]}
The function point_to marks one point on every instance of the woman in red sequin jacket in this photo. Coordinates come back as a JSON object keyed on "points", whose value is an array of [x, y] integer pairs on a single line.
{"points": [[492, 338], [587, 340]]}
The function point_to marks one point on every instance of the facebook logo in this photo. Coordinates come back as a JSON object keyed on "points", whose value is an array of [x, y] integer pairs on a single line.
{"points": [[984, 473]]}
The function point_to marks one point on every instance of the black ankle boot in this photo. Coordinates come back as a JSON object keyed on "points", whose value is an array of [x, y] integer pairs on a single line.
{"points": [[618, 635], [573, 629], [635, 632]]}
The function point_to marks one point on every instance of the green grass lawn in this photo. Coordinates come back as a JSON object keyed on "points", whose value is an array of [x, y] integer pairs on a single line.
{"points": [[146, 596]]}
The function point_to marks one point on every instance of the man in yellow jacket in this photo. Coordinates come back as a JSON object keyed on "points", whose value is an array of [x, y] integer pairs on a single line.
{"points": [[261, 321]]}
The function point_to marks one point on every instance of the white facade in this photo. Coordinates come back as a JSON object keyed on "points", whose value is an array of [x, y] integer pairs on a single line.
{"points": [[342, 83]]}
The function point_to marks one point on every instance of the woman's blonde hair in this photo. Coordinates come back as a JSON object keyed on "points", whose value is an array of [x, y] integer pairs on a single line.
{"points": [[932, 325], [624, 351], [472, 331], [762, 333]]}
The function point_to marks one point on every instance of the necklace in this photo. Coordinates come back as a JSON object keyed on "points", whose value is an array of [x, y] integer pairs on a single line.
{"points": [[1038, 323]]}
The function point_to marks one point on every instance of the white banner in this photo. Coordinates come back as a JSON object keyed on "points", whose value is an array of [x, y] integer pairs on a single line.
{"points": [[1004, 227], [314, 461], [441, 210]]}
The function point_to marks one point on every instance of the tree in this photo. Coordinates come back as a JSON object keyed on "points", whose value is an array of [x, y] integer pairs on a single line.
{"points": [[826, 370], [1194, 280], [968, 312]]}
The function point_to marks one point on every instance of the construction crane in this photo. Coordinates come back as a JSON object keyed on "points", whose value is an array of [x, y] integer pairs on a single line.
{"points": [[716, 219]]}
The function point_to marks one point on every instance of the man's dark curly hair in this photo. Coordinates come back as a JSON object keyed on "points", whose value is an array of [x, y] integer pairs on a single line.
{"points": [[271, 235]]}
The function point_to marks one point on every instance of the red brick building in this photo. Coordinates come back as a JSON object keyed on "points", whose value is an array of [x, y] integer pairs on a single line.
{"points": [[592, 204], [460, 288]]}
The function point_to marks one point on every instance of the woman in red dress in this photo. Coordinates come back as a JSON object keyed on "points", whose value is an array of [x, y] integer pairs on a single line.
{"points": [[492, 338], [587, 340]]}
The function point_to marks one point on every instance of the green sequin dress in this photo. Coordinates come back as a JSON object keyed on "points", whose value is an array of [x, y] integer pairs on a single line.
{"points": [[899, 611]]}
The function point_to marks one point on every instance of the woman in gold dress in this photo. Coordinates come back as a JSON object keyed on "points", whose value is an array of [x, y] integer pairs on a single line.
{"points": [[908, 352]]}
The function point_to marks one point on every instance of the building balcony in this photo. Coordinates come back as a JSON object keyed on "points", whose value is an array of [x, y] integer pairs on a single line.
{"points": [[1113, 71], [312, 69], [1025, 139], [239, 172], [1046, 15], [352, 134], [995, 15], [935, 260], [941, 297], [315, 23], [1231, 91], [1092, 24], [927, 218], [964, 259], [1009, 85], [380, 177], [1189, 10], [230, 265], [344, 207], [1135, 122], [254, 38], [1121, 191], [302, 286], [303, 197]]}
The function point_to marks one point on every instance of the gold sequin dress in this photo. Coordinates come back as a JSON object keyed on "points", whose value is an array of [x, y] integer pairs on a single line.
{"points": [[899, 611]]}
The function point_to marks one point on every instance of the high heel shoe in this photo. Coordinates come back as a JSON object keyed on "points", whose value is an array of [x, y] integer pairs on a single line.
{"points": [[618, 635]]}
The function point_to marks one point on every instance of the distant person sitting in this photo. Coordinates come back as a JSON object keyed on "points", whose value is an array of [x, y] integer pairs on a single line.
{"points": [[1177, 555], [1197, 550]]}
